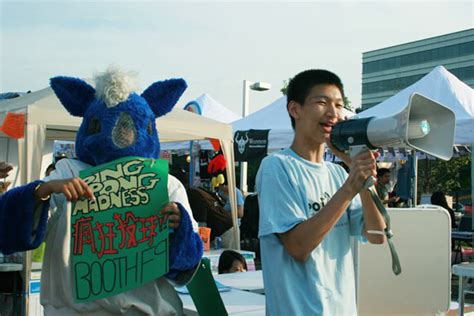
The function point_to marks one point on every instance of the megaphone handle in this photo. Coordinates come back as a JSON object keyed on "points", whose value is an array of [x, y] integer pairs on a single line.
{"points": [[354, 151]]}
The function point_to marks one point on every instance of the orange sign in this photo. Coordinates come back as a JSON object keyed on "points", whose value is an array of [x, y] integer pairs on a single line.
{"points": [[14, 125]]}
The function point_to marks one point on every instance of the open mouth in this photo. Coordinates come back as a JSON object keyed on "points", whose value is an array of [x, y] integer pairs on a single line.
{"points": [[326, 128]]}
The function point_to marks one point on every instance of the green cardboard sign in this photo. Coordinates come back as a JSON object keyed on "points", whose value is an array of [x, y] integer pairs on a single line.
{"points": [[120, 241]]}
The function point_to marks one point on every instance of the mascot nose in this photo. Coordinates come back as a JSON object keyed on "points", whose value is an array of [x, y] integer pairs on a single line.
{"points": [[124, 133]]}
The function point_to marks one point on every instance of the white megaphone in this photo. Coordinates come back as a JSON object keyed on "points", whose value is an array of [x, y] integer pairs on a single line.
{"points": [[422, 124]]}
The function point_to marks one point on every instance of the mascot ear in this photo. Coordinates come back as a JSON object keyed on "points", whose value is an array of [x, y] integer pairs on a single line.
{"points": [[163, 95], [74, 94]]}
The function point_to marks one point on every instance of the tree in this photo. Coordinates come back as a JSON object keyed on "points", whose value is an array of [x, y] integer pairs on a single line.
{"points": [[284, 89], [447, 176]]}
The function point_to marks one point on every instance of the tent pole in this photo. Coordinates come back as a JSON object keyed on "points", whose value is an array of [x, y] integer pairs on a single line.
{"points": [[415, 183], [8, 149], [191, 164]]}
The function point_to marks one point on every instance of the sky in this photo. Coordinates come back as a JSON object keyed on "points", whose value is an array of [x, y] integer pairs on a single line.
{"points": [[214, 46]]}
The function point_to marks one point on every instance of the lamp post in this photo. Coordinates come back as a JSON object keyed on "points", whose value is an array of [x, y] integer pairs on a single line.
{"points": [[257, 86]]}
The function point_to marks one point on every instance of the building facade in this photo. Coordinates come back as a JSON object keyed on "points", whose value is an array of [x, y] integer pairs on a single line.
{"points": [[388, 70]]}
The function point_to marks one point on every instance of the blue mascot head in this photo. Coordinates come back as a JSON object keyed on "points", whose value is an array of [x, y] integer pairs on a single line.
{"points": [[117, 122]]}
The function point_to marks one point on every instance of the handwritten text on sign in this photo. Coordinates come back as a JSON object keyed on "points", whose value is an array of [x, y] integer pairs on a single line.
{"points": [[119, 241]]}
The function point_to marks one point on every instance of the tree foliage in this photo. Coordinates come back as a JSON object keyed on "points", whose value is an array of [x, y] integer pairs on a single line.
{"points": [[447, 176], [284, 88]]}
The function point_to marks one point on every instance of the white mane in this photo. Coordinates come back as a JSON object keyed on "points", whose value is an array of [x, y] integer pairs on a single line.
{"points": [[114, 85]]}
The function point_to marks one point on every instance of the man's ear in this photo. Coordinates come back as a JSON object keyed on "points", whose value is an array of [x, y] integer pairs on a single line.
{"points": [[294, 109], [163, 95], [74, 94]]}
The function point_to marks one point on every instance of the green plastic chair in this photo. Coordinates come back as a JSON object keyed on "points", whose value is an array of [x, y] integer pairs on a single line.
{"points": [[204, 292]]}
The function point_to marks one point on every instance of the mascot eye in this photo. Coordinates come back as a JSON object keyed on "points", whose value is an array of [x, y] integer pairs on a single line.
{"points": [[94, 126], [150, 128]]}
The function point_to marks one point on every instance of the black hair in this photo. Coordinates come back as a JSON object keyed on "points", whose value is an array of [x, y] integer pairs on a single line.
{"points": [[300, 85], [226, 260], [381, 172], [438, 198], [51, 167]]}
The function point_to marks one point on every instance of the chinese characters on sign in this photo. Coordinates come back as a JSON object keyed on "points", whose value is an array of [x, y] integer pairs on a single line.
{"points": [[119, 241]]}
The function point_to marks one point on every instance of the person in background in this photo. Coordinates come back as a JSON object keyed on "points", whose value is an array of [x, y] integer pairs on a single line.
{"points": [[382, 187], [223, 191], [439, 198], [228, 237], [231, 261], [217, 168], [5, 168], [309, 208]]}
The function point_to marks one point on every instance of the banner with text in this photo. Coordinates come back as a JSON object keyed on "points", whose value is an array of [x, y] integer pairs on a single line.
{"points": [[250, 144], [119, 241]]}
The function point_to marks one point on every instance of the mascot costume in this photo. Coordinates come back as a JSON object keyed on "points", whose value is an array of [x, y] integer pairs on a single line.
{"points": [[216, 168], [116, 123]]}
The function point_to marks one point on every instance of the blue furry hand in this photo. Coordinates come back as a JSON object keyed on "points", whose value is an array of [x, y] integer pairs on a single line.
{"points": [[73, 189], [174, 214]]}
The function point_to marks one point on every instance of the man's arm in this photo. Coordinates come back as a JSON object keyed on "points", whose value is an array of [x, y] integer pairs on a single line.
{"points": [[373, 219], [240, 203], [240, 211], [384, 197], [302, 239]]}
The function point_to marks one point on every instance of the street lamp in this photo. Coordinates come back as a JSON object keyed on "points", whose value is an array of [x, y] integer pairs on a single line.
{"points": [[257, 86]]}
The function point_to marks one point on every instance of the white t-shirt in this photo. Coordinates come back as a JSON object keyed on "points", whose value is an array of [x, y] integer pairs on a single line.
{"points": [[157, 297], [291, 190]]}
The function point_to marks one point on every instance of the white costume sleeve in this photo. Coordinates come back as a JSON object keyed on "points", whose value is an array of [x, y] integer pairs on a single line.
{"points": [[177, 193]]}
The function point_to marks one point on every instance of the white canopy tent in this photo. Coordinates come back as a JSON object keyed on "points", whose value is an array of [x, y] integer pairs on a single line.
{"points": [[275, 118], [443, 87], [208, 107], [47, 119], [212, 109]]}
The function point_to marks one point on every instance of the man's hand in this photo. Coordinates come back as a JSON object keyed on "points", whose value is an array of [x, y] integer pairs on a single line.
{"points": [[174, 214], [73, 189], [5, 168], [362, 166], [340, 154]]}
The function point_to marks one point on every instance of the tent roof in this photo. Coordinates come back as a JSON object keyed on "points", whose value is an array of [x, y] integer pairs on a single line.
{"points": [[443, 87], [208, 108], [212, 109], [275, 118], [43, 108]]}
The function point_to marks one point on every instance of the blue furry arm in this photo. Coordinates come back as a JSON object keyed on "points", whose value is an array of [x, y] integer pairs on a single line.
{"points": [[185, 250], [20, 228]]}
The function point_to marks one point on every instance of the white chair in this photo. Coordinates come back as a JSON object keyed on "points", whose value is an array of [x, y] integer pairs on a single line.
{"points": [[464, 271]]}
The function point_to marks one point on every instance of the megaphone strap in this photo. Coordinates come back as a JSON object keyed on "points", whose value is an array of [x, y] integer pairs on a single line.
{"points": [[396, 267]]}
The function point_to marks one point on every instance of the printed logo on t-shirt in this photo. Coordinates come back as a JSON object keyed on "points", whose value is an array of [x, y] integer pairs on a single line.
{"points": [[315, 207]]}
